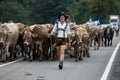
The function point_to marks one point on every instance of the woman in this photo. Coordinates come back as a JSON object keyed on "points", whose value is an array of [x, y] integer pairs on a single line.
{"points": [[62, 31]]}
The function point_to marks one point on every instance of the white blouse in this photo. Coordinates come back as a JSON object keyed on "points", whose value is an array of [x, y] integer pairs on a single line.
{"points": [[60, 33]]}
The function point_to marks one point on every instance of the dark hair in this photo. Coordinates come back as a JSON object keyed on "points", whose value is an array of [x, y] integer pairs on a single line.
{"points": [[63, 14]]}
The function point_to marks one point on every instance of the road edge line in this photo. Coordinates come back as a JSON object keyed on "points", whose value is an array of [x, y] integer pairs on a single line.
{"points": [[10, 63], [110, 63]]}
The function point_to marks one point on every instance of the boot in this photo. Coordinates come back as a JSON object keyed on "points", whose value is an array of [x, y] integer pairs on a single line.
{"points": [[60, 65]]}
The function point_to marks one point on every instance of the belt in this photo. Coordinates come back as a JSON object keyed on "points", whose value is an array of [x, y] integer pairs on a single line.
{"points": [[60, 38]]}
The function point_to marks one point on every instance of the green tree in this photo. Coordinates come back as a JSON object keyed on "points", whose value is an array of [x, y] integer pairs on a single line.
{"points": [[73, 10], [46, 11], [13, 11], [102, 9], [82, 13]]}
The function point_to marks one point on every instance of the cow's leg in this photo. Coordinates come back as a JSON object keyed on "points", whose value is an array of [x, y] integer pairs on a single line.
{"points": [[94, 45], [51, 49], [40, 52], [84, 53], [53, 53], [117, 33], [87, 51], [50, 52], [81, 55], [71, 52], [22, 48], [17, 51], [108, 42], [105, 42], [98, 44], [46, 51], [0, 56], [25, 55], [3, 55], [91, 42], [102, 41], [35, 54], [83, 48], [12, 53], [31, 55], [25, 51], [111, 42], [77, 54]]}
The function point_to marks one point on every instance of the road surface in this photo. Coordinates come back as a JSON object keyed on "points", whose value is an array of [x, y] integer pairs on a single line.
{"points": [[89, 69]]}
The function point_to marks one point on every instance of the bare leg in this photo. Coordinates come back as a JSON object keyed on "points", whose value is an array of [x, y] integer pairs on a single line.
{"points": [[62, 52], [58, 51]]}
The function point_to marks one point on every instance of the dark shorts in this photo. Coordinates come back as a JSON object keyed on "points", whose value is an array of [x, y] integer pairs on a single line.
{"points": [[61, 41]]}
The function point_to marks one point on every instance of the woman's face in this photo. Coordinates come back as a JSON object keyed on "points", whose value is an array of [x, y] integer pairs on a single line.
{"points": [[62, 18]]}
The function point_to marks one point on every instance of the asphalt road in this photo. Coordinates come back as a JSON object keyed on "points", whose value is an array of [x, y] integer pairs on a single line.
{"points": [[115, 70], [89, 69]]}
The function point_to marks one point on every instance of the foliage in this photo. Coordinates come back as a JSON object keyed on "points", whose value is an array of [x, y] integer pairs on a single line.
{"points": [[103, 8], [13, 11], [46, 11]]}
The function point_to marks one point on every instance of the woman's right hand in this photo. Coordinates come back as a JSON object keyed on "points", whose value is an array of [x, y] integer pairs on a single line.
{"points": [[69, 45]]}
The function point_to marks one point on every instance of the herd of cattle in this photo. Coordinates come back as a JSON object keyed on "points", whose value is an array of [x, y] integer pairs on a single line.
{"points": [[33, 41]]}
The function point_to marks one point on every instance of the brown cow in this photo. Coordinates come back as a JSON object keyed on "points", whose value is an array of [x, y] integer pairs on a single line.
{"points": [[28, 44], [3, 39], [86, 42], [19, 45], [89, 27], [13, 33], [50, 44], [95, 35], [77, 43], [40, 35], [101, 32]]}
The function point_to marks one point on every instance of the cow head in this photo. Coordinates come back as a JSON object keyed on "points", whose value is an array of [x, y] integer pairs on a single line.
{"points": [[76, 40], [27, 37], [21, 28], [108, 30]]}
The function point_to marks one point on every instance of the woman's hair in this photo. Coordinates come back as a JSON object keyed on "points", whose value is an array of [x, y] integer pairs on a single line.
{"points": [[62, 14]]}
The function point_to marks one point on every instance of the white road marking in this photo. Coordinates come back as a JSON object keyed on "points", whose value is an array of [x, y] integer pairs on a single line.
{"points": [[10, 62], [110, 63]]}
